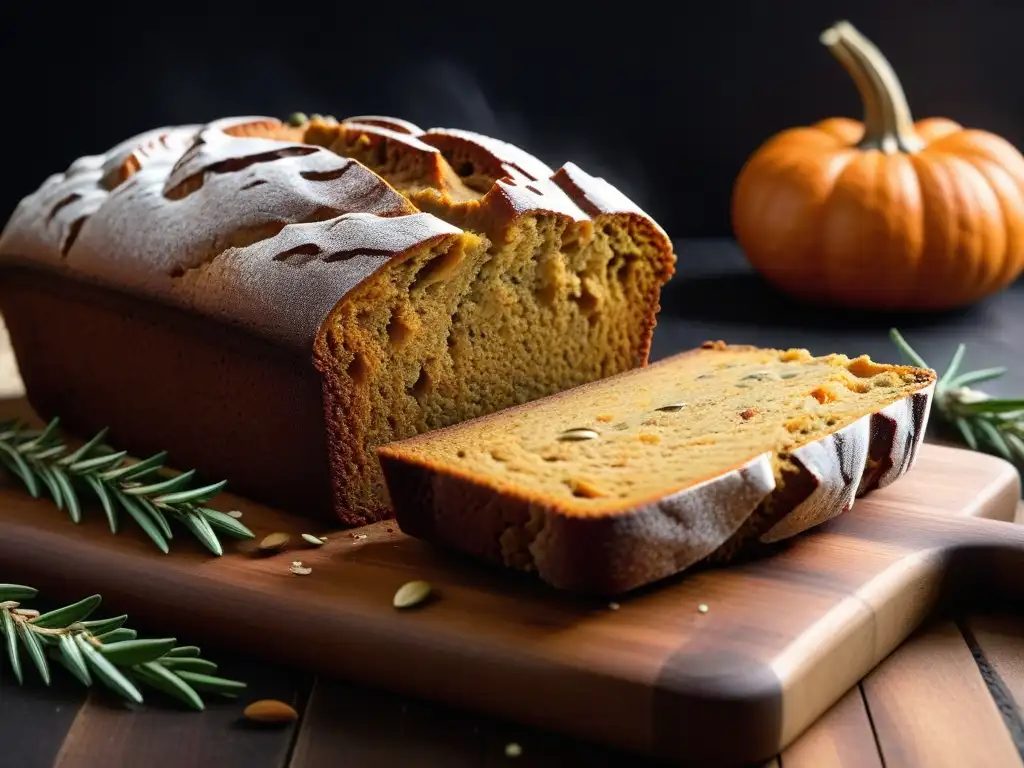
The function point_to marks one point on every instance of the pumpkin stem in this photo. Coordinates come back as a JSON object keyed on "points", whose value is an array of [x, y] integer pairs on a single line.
{"points": [[888, 124]]}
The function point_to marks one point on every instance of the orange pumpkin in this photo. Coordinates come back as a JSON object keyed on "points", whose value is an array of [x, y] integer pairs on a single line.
{"points": [[884, 214]]}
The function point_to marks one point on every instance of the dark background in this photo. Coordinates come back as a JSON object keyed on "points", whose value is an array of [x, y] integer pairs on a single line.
{"points": [[665, 100]]}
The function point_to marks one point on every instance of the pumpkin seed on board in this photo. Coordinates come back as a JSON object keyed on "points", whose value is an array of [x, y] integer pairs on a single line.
{"points": [[309, 538], [270, 711], [274, 542], [411, 594]]}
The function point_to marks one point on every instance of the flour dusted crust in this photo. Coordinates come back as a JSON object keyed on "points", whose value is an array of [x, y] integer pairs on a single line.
{"points": [[254, 226], [157, 209], [837, 464]]}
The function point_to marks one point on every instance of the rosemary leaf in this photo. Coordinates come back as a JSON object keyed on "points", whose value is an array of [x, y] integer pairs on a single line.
{"points": [[210, 683], [201, 529], [144, 521], [1016, 445], [97, 463], [107, 672], [100, 490], [993, 437], [40, 439], [128, 653], [975, 377], [156, 514], [225, 523], [16, 592], [69, 614], [35, 650], [7, 625], [72, 656], [46, 454], [102, 626], [167, 682], [27, 476], [85, 449], [184, 651], [139, 469], [67, 493], [968, 433], [164, 486], [117, 635], [46, 476], [906, 349], [994, 405], [190, 664], [192, 496]]}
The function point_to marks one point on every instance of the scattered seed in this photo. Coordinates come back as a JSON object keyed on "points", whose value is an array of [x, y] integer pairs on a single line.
{"points": [[297, 118], [359, 536], [274, 542], [672, 407], [411, 594], [580, 433], [270, 711], [323, 538], [299, 569], [309, 538], [613, 606], [703, 608], [235, 514], [513, 750]]}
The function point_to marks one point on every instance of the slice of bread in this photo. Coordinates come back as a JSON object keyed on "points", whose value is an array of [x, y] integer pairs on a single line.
{"points": [[700, 457]]}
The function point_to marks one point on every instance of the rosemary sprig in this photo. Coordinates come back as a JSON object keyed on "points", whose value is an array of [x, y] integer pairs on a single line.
{"points": [[104, 650], [989, 424], [43, 462]]}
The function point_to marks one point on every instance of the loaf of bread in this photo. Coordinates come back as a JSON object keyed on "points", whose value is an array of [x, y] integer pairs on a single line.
{"points": [[268, 302], [696, 458]]}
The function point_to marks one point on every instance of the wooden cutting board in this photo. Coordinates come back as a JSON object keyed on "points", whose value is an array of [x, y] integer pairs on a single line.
{"points": [[782, 639]]}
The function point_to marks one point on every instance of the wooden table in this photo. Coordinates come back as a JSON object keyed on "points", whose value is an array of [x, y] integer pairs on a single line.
{"points": [[950, 696]]}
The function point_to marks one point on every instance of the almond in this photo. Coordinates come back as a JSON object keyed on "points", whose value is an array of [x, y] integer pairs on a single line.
{"points": [[270, 711]]}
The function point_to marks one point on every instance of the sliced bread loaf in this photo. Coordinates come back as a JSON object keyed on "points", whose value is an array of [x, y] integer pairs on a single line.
{"points": [[269, 302], [619, 483]]}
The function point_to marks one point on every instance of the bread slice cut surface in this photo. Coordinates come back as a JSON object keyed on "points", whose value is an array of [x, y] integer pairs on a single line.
{"points": [[702, 455]]}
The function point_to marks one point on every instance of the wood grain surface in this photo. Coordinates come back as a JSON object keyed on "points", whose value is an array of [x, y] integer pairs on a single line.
{"points": [[784, 638]]}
